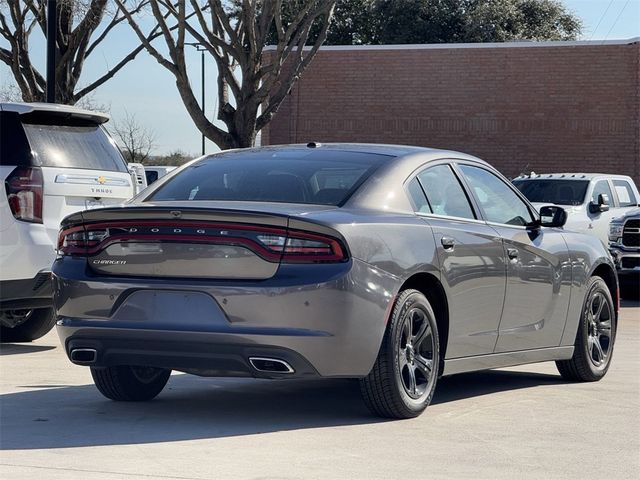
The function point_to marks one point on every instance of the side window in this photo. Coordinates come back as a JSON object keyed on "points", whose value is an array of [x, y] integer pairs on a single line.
{"points": [[420, 203], [600, 187], [499, 202], [625, 193], [444, 192]]}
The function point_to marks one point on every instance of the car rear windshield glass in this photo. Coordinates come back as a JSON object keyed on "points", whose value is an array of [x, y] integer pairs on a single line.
{"points": [[291, 176], [560, 192], [65, 146]]}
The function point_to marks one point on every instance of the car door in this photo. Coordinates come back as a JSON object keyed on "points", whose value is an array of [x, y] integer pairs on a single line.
{"points": [[471, 260], [538, 265]]}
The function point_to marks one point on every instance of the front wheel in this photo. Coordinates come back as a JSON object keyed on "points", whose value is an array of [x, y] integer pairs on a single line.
{"points": [[595, 337], [404, 376], [130, 383]]}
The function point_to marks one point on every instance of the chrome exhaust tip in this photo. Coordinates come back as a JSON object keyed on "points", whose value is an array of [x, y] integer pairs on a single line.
{"points": [[83, 356], [270, 365]]}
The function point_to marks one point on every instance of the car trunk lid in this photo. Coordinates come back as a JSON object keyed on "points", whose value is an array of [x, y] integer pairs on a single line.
{"points": [[189, 242]]}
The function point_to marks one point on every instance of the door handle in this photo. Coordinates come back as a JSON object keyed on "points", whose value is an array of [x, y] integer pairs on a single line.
{"points": [[512, 253], [448, 243]]}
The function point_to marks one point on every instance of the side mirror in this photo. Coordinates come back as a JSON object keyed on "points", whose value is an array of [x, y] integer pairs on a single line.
{"points": [[602, 205], [552, 216]]}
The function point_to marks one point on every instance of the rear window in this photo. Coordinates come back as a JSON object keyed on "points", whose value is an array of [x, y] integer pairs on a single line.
{"points": [[560, 192], [625, 193], [66, 146], [290, 176]]}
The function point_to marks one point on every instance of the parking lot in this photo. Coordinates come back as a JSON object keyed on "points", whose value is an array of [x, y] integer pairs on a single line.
{"points": [[523, 422]]}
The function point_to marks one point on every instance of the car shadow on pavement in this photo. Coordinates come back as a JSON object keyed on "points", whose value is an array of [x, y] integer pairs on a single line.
{"points": [[468, 385], [15, 348], [196, 408]]}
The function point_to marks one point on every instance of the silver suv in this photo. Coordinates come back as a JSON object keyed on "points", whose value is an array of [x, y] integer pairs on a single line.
{"points": [[591, 200]]}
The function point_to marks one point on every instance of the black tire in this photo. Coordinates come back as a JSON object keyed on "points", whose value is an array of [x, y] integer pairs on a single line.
{"points": [[388, 390], [128, 383], [39, 322], [595, 338]]}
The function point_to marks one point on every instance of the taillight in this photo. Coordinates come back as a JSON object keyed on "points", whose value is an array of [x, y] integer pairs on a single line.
{"points": [[303, 247], [77, 241], [24, 189], [270, 243]]}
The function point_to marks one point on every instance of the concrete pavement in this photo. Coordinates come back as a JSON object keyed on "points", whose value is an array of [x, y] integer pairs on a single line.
{"points": [[521, 422]]}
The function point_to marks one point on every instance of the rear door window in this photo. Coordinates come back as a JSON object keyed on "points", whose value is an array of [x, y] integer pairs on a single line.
{"points": [[444, 192], [625, 193], [64, 146]]}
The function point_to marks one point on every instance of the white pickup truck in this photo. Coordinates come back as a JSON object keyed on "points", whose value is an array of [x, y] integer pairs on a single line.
{"points": [[591, 200]]}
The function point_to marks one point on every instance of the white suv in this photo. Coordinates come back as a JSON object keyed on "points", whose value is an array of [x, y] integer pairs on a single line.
{"points": [[591, 200], [54, 160]]}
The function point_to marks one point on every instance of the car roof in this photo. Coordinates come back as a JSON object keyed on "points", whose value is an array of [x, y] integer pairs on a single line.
{"points": [[568, 176], [55, 108], [373, 148], [389, 150]]}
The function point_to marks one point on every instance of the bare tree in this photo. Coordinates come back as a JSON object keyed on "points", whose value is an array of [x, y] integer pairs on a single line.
{"points": [[135, 140], [9, 92], [83, 25], [251, 83]]}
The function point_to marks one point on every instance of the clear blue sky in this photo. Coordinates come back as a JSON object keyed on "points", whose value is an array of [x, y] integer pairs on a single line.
{"points": [[146, 89]]}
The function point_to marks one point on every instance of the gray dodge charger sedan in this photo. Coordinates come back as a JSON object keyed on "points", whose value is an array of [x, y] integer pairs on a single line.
{"points": [[391, 264]]}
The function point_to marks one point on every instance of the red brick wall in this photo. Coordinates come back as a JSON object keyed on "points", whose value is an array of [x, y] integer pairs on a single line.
{"points": [[574, 107]]}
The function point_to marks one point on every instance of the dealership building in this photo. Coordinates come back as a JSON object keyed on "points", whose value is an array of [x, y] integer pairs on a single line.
{"points": [[523, 106]]}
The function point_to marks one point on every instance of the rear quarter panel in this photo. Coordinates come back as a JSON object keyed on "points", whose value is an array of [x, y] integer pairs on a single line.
{"points": [[399, 244]]}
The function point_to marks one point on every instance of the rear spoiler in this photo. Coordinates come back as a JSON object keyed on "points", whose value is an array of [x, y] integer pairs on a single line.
{"points": [[45, 113]]}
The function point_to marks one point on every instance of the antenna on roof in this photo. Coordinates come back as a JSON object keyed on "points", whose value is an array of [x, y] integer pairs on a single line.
{"points": [[523, 170]]}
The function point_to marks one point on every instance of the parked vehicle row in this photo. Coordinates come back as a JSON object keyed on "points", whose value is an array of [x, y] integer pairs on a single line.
{"points": [[395, 265], [54, 160], [391, 264], [624, 238], [602, 205]]}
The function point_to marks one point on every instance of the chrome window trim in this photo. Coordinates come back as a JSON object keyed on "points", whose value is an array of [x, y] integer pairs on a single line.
{"points": [[447, 217]]}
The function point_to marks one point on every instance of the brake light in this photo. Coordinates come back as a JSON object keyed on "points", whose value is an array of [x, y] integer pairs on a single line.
{"points": [[24, 189], [303, 247], [271, 243]]}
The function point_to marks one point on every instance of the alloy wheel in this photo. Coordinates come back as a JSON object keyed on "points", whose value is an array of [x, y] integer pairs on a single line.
{"points": [[599, 318], [415, 354]]}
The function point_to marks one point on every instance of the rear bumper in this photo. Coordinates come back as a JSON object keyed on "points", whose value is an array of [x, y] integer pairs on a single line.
{"points": [[30, 293], [205, 354], [325, 320]]}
